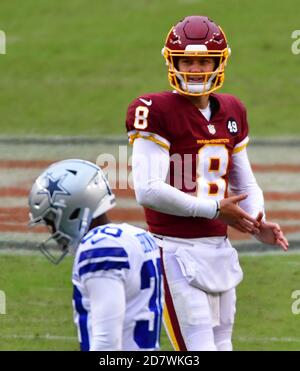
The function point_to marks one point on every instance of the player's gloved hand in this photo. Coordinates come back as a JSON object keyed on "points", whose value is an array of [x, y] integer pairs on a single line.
{"points": [[271, 233], [233, 215]]}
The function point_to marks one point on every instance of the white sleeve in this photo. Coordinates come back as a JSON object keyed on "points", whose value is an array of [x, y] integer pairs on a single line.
{"points": [[242, 180], [150, 166], [107, 312]]}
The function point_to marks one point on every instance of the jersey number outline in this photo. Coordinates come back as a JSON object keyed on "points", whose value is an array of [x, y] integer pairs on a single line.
{"points": [[213, 160], [141, 117], [147, 332]]}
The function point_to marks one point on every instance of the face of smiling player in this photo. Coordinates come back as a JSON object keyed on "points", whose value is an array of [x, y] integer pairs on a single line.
{"points": [[198, 65], [195, 75]]}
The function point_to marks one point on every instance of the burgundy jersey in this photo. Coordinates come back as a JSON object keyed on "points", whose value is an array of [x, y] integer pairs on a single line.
{"points": [[200, 152]]}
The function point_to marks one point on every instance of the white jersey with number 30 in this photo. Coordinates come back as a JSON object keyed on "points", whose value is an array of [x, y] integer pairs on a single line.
{"points": [[117, 295]]}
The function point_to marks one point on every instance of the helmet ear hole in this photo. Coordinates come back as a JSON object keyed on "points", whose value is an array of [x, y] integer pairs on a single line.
{"points": [[75, 214]]}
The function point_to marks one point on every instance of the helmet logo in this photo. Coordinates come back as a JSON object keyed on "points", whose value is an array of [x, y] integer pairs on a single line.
{"points": [[217, 38], [53, 187], [176, 39]]}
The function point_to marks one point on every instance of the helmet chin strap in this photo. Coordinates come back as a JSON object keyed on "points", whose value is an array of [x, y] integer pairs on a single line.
{"points": [[85, 223], [196, 87]]}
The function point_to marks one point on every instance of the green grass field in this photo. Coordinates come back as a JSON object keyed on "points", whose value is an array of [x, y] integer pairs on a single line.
{"points": [[39, 311], [72, 67]]}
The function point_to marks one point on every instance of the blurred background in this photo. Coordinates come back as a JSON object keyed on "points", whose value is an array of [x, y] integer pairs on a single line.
{"points": [[70, 70]]}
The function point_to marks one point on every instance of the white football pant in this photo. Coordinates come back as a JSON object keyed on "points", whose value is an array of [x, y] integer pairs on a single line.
{"points": [[194, 319]]}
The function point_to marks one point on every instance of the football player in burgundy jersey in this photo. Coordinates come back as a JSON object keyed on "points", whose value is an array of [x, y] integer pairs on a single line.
{"points": [[189, 149]]}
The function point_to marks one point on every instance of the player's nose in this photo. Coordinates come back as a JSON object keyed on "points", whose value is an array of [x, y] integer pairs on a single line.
{"points": [[196, 66]]}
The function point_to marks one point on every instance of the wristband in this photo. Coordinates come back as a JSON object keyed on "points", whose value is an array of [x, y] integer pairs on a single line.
{"points": [[217, 210]]}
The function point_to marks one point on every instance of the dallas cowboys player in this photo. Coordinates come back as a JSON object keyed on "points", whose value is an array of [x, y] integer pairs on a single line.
{"points": [[116, 274]]}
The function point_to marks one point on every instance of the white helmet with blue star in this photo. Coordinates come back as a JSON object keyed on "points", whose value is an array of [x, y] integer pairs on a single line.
{"points": [[66, 197]]}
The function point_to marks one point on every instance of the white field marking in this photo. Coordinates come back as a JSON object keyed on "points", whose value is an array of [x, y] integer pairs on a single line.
{"points": [[273, 155], [285, 222], [18, 177], [278, 181], [128, 203], [23, 252], [58, 152], [282, 205], [14, 201], [266, 152], [271, 339], [19, 237], [132, 204], [39, 337], [122, 203], [20, 252]]}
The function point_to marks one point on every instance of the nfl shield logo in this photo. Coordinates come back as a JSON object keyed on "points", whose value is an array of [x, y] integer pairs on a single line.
{"points": [[211, 128]]}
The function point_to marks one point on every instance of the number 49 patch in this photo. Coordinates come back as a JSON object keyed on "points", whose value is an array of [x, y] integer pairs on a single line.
{"points": [[232, 126]]}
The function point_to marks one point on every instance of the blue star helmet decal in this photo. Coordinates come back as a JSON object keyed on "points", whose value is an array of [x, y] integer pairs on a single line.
{"points": [[54, 187]]}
